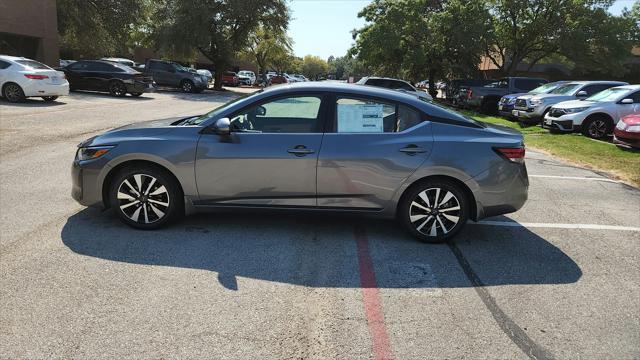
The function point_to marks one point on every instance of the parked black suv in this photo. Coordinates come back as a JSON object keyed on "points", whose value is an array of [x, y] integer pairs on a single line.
{"points": [[100, 75], [168, 73]]}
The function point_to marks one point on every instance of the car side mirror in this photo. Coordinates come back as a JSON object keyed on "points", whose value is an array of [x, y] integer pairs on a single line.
{"points": [[626, 101], [261, 111], [581, 93], [223, 126]]}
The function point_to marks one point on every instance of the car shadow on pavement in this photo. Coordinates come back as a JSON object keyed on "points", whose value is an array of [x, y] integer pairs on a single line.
{"points": [[320, 250], [33, 102], [86, 94]]}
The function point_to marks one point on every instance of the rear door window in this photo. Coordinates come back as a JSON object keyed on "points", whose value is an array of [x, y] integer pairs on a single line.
{"points": [[363, 115], [594, 89], [4, 64]]}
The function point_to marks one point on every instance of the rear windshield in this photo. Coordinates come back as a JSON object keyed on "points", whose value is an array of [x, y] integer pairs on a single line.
{"points": [[33, 64]]}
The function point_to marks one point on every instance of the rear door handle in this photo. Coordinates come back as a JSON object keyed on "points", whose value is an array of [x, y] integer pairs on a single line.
{"points": [[413, 149], [300, 150]]}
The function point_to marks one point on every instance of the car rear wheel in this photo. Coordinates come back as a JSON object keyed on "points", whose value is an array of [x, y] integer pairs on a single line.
{"points": [[434, 211], [13, 93], [117, 88], [49, 98], [597, 127], [187, 86], [146, 197]]}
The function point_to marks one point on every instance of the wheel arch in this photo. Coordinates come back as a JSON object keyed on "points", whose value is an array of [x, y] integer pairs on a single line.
{"points": [[473, 208], [134, 162], [599, 114]]}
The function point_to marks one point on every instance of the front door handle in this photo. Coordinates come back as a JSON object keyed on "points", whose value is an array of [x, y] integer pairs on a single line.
{"points": [[300, 150], [413, 149]]}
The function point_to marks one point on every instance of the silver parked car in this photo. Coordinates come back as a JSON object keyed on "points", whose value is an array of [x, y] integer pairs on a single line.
{"points": [[310, 146]]}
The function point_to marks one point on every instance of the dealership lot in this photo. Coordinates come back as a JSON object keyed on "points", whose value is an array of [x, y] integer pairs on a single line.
{"points": [[558, 279]]}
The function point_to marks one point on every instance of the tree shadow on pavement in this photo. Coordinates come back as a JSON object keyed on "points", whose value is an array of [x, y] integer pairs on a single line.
{"points": [[320, 250]]}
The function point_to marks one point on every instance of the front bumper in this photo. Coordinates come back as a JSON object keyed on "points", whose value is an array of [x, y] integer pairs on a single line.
{"points": [[85, 187], [564, 123], [505, 110], [528, 114], [626, 139]]}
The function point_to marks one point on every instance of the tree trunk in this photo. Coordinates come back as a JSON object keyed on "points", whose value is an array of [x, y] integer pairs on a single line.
{"points": [[432, 86]]}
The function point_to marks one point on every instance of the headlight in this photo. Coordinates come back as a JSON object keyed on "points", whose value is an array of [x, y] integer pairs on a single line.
{"points": [[633, 128], [536, 102], [575, 110], [621, 125], [92, 152]]}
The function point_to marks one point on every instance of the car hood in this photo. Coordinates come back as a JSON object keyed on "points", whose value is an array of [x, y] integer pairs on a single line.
{"points": [[142, 129], [574, 104], [511, 96]]}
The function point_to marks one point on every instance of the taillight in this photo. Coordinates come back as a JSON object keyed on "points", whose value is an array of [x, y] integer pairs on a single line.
{"points": [[36, 77], [469, 94], [512, 154]]}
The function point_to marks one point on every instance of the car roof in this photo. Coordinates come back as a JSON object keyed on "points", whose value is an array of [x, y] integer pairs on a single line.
{"points": [[595, 82], [13, 58], [115, 59], [334, 86], [384, 78]]}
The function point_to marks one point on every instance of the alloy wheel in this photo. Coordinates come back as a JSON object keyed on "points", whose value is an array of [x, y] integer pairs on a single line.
{"points": [[143, 198], [597, 129], [118, 89], [435, 212], [187, 86], [13, 93]]}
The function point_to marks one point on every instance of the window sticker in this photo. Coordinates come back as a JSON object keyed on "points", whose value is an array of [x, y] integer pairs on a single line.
{"points": [[360, 118]]}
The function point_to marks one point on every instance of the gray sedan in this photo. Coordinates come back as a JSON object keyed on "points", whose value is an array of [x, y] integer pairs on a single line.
{"points": [[314, 147]]}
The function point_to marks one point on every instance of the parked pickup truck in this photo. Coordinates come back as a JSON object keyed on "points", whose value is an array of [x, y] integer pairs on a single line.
{"points": [[486, 97], [167, 73]]}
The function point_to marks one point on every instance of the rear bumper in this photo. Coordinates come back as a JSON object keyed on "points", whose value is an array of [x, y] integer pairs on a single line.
{"points": [[38, 88], [501, 190]]}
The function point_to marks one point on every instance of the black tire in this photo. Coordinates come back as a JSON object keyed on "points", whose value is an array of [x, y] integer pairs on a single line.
{"points": [[117, 88], [489, 107], [414, 209], [136, 94], [13, 93], [49, 98], [597, 127], [126, 200], [187, 86]]}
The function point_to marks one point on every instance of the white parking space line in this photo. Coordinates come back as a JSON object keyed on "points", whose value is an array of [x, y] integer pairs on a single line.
{"points": [[556, 226], [574, 178]]}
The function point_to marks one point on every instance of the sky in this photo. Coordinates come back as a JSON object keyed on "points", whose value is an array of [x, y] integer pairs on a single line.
{"points": [[323, 27]]}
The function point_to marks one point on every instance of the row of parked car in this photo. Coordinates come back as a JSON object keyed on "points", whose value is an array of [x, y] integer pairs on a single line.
{"points": [[21, 77], [595, 108]]}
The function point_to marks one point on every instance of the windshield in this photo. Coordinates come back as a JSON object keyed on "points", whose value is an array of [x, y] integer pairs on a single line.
{"points": [[544, 88], [219, 110], [608, 95], [566, 89]]}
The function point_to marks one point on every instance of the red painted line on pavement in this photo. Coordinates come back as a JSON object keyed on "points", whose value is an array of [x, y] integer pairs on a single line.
{"points": [[371, 298]]}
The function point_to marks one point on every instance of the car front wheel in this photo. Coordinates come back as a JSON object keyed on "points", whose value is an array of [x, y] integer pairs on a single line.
{"points": [[597, 127], [146, 197], [434, 211], [117, 88]]}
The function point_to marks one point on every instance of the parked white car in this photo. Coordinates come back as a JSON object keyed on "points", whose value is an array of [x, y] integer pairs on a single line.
{"points": [[531, 108], [21, 78], [300, 77], [249, 74], [206, 73], [597, 115]]}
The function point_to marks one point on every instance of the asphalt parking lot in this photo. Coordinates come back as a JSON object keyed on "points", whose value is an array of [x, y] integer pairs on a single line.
{"points": [[558, 279]]}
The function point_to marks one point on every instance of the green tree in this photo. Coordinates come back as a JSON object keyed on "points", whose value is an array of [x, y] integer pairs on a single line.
{"points": [[218, 29], [314, 66], [417, 39], [581, 30], [267, 47], [95, 28]]}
